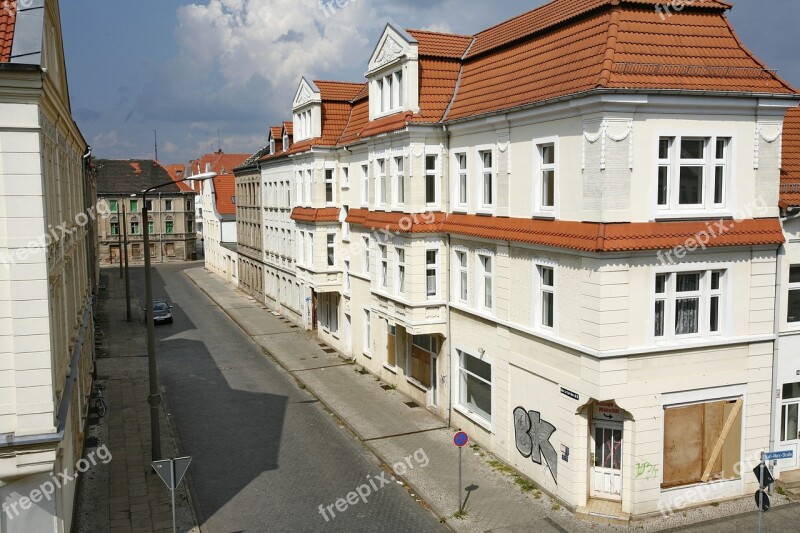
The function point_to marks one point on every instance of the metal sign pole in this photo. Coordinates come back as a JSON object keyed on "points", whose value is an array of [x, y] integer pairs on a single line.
{"points": [[459, 479], [174, 523], [761, 497]]}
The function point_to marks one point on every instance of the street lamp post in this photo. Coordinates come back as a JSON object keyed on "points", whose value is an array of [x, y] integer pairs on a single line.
{"points": [[127, 272], [154, 399]]}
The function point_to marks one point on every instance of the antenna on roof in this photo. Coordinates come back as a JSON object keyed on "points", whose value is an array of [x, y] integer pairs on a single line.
{"points": [[155, 132], [219, 142]]}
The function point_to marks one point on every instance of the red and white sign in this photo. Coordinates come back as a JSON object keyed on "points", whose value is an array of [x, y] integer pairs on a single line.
{"points": [[607, 411]]}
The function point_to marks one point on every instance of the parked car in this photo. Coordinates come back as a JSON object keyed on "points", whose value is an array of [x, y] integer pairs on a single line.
{"points": [[162, 312]]}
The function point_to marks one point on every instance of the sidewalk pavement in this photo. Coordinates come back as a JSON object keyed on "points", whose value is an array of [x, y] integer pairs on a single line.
{"points": [[383, 422], [126, 495], [494, 497]]}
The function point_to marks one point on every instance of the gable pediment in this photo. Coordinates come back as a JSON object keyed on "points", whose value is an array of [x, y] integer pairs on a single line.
{"points": [[307, 92], [394, 44]]}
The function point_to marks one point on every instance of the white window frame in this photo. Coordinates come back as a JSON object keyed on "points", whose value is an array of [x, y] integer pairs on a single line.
{"points": [[345, 169], [367, 339], [483, 207], [398, 181], [271, 146], [330, 181], [346, 277], [299, 187], [390, 93], [330, 250], [309, 248], [308, 180], [345, 225], [790, 287], [709, 162], [366, 265], [540, 289], [381, 194], [482, 279], [461, 272], [436, 173], [539, 166], [285, 142], [436, 270], [364, 184], [481, 418], [401, 271], [461, 175], [705, 294], [383, 270]]}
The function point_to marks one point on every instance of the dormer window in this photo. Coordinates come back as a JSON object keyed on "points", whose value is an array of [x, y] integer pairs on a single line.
{"points": [[271, 146], [390, 93], [285, 142]]}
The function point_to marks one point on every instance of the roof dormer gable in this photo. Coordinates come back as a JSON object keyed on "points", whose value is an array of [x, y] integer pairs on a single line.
{"points": [[307, 111], [393, 74]]}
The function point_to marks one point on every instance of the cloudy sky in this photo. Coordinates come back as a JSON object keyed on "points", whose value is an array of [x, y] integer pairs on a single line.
{"points": [[193, 69]]}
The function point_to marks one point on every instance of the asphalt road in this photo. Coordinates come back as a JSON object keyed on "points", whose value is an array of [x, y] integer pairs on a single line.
{"points": [[266, 456]]}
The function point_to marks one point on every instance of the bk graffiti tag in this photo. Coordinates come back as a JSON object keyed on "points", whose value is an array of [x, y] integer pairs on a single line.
{"points": [[533, 438]]}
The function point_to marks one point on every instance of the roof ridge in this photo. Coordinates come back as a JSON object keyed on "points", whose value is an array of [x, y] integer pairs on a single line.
{"points": [[611, 44], [430, 32]]}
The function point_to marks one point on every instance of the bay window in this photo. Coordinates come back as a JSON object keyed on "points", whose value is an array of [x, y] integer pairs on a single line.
{"points": [[399, 181], [364, 185], [401, 270], [693, 173], [331, 248], [380, 185], [486, 282], [462, 275], [329, 187], [384, 272]]}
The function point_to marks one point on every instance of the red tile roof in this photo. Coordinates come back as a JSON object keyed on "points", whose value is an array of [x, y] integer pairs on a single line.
{"points": [[176, 172], [224, 191], [276, 132], [435, 44], [338, 90], [583, 236], [8, 17], [289, 127], [790, 166], [311, 216], [540, 56]]}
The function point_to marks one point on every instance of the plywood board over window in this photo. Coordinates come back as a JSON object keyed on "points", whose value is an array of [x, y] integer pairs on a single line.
{"points": [[702, 442]]}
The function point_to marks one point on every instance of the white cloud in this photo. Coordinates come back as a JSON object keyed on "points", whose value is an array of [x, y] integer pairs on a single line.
{"points": [[236, 56]]}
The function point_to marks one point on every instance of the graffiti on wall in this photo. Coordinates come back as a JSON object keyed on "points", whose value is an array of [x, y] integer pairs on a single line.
{"points": [[533, 438], [646, 470]]}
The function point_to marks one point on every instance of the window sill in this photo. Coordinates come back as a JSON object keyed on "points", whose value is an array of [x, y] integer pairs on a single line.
{"points": [[367, 355], [392, 369], [484, 211], [474, 417], [693, 214], [417, 384], [543, 215]]}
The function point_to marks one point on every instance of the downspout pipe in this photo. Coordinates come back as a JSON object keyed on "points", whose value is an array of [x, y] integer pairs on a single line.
{"points": [[451, 365], [780, 260]]}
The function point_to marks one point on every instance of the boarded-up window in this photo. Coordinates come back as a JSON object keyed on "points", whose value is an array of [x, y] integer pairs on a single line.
{"points": [[170, 248], [702, 442]]}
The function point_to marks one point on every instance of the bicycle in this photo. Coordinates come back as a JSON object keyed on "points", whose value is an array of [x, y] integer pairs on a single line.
{"points": [[99, 403]]}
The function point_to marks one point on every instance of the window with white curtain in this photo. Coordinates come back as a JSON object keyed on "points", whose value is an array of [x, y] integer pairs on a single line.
{"points": [[432, 273], [689, 304]]}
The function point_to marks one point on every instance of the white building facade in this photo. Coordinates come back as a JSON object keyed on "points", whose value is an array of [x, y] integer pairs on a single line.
{"points": [[579, 273], [48, 278]]}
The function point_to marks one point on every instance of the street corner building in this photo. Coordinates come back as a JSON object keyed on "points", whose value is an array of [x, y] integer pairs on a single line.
{"points": [[48, 272], [563, 234], [171, 213]]}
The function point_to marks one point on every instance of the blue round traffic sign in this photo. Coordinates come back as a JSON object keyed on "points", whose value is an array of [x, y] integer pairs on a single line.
{"points": [[460, 439]]}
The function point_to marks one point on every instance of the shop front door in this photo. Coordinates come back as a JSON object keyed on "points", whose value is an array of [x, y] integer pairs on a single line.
{"points": [[606, 460]]}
